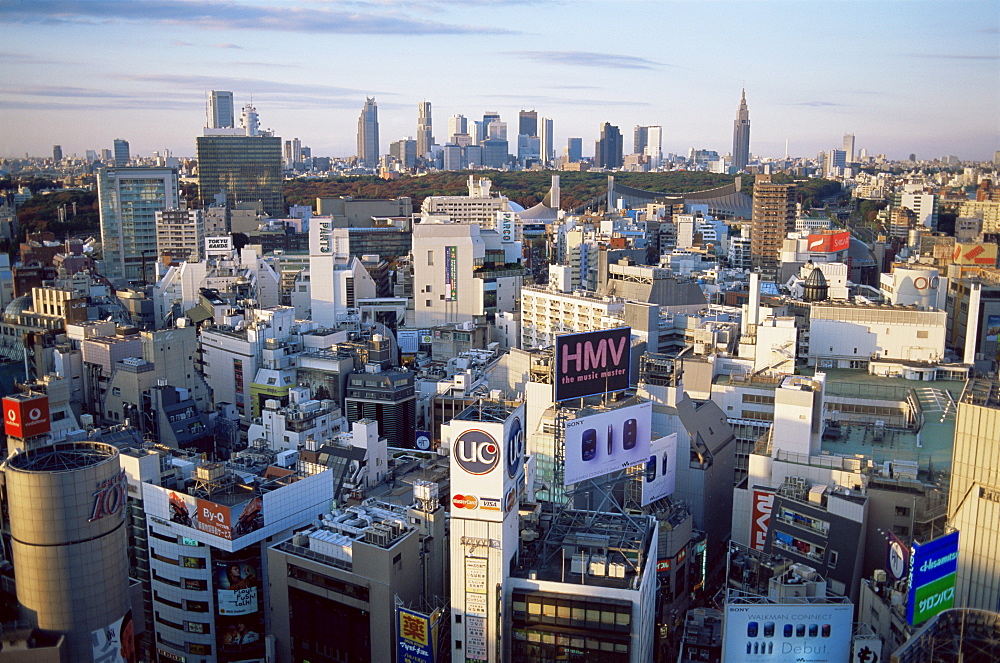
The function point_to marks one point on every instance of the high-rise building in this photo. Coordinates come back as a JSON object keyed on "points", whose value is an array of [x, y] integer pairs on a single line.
{"points": [[773, 217], [483, 132], [425, 130], [608, 150], [639, 137], [368, 134], [404, 151], [247, 169], [130, 199], [574, 150], [220, 110], [654, 146], [121, 153], [180, 234], [849, 147], [457, 125], [527, 123], [974, 495], [57, 154], [741, 136], [545, 139]]}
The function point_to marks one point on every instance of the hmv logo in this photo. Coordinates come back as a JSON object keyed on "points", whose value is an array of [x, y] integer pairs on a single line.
{"points": [[592, 362], [476, 452]]}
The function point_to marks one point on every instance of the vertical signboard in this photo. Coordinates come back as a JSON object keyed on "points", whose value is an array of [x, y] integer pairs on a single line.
{"points": [[593, 362], [476, 607], [415, 637], [115, 643], [238, 382], [933, 568], [236, 588], [659, 473], [897, 558], [450, 273], [763, 502]]}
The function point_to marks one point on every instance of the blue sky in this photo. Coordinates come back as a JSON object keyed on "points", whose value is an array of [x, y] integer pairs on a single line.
{"points": [[921, 77]]}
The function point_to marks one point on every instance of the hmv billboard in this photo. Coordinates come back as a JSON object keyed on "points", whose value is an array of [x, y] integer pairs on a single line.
{"points": [[592, 362]]}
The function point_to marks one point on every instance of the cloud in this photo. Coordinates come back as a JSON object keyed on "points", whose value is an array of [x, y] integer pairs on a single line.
{"points": [[949, 56], [586, 59], [62, 91], [540, 100], [20, 58], [227, 46], [819, 104], [178, 42], [247, 86], [368, 18]]}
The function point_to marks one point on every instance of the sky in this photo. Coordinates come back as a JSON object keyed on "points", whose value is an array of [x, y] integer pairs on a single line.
{"points": [[904, 77]]}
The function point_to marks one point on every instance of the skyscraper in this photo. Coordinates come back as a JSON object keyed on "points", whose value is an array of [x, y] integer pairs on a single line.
{"points": [[608, 150], [639, 137], [425, 131], [654, 146], [368, 134], [220, 110], [741, 136], [974, 495], [457, 125], [122, 155], [545, 139], [527, 123], [574, 150], [773, 217], [488, 117], [849, 147], [57, 153], [130, 199], [246, 168]]}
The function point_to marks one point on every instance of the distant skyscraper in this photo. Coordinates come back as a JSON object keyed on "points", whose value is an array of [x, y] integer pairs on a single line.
{"points": [[654, 146], [574, 150], [457, 125], [368, 134], [639, 137], [404, 151], [608, 150], [220, 110], [527, 123], [849, 147], [57, 153], [246, 168], [773, 217], [122, 155], [741, 136], [488, 117], [545, 140], [130, 199], [425, 130]]}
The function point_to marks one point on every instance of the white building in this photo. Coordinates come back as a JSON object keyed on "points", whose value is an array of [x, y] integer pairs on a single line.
{"points": [[180, 234], [478, 207], [337, 280], [546, 314], [846, 335]]}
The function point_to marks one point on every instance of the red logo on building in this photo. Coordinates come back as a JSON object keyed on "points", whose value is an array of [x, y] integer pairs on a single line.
{"points": [[26, 416]]}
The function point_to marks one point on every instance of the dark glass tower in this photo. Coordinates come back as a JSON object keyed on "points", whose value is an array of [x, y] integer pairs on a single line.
{"points": [[368, 134], [741, 136], [608, 152], [246, 168]]}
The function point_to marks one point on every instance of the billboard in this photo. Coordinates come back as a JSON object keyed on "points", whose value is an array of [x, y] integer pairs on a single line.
{"points": [[975, 253], [415, 637], [760, 518], [602, 443], [593, 362], [866, 649], [409, 340], [423, 440], [829, 242], [897, 558], [992, 327], [26, 415], [450, 273], [216, 519], [115, 643], [506, 223], [236, 588], [933, 568], [487, 461], [787, 632], [659, 474], [218, 246]]}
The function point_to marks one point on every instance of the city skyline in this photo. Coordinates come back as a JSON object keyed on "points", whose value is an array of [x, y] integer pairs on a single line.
{"points": [[891, 73]]}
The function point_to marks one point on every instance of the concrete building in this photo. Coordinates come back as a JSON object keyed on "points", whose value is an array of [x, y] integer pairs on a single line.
{"points": [[772, 219], [425, 129], [180, 235], [974, 495], [385, 396], [129, 200], [546, 314], [220, 110], [246, 168], [70, 550]]}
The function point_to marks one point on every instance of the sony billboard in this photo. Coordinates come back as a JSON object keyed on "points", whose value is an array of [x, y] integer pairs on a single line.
{"points": [[787, 632], [603, 443], [593, 362], [659, 475]]}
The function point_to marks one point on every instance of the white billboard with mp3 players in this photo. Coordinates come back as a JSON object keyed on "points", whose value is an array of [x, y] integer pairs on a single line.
{"points": [[602, 443]]}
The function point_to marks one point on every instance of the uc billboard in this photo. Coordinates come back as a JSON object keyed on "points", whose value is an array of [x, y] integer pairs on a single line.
{"points": [[933, 568]]}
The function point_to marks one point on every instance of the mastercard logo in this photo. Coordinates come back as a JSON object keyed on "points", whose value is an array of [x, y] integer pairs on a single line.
{"points": [[465, 501]]}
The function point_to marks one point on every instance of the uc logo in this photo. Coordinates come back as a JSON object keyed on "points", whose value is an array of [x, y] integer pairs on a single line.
{"points": [[515, 447], [476, 452]]}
